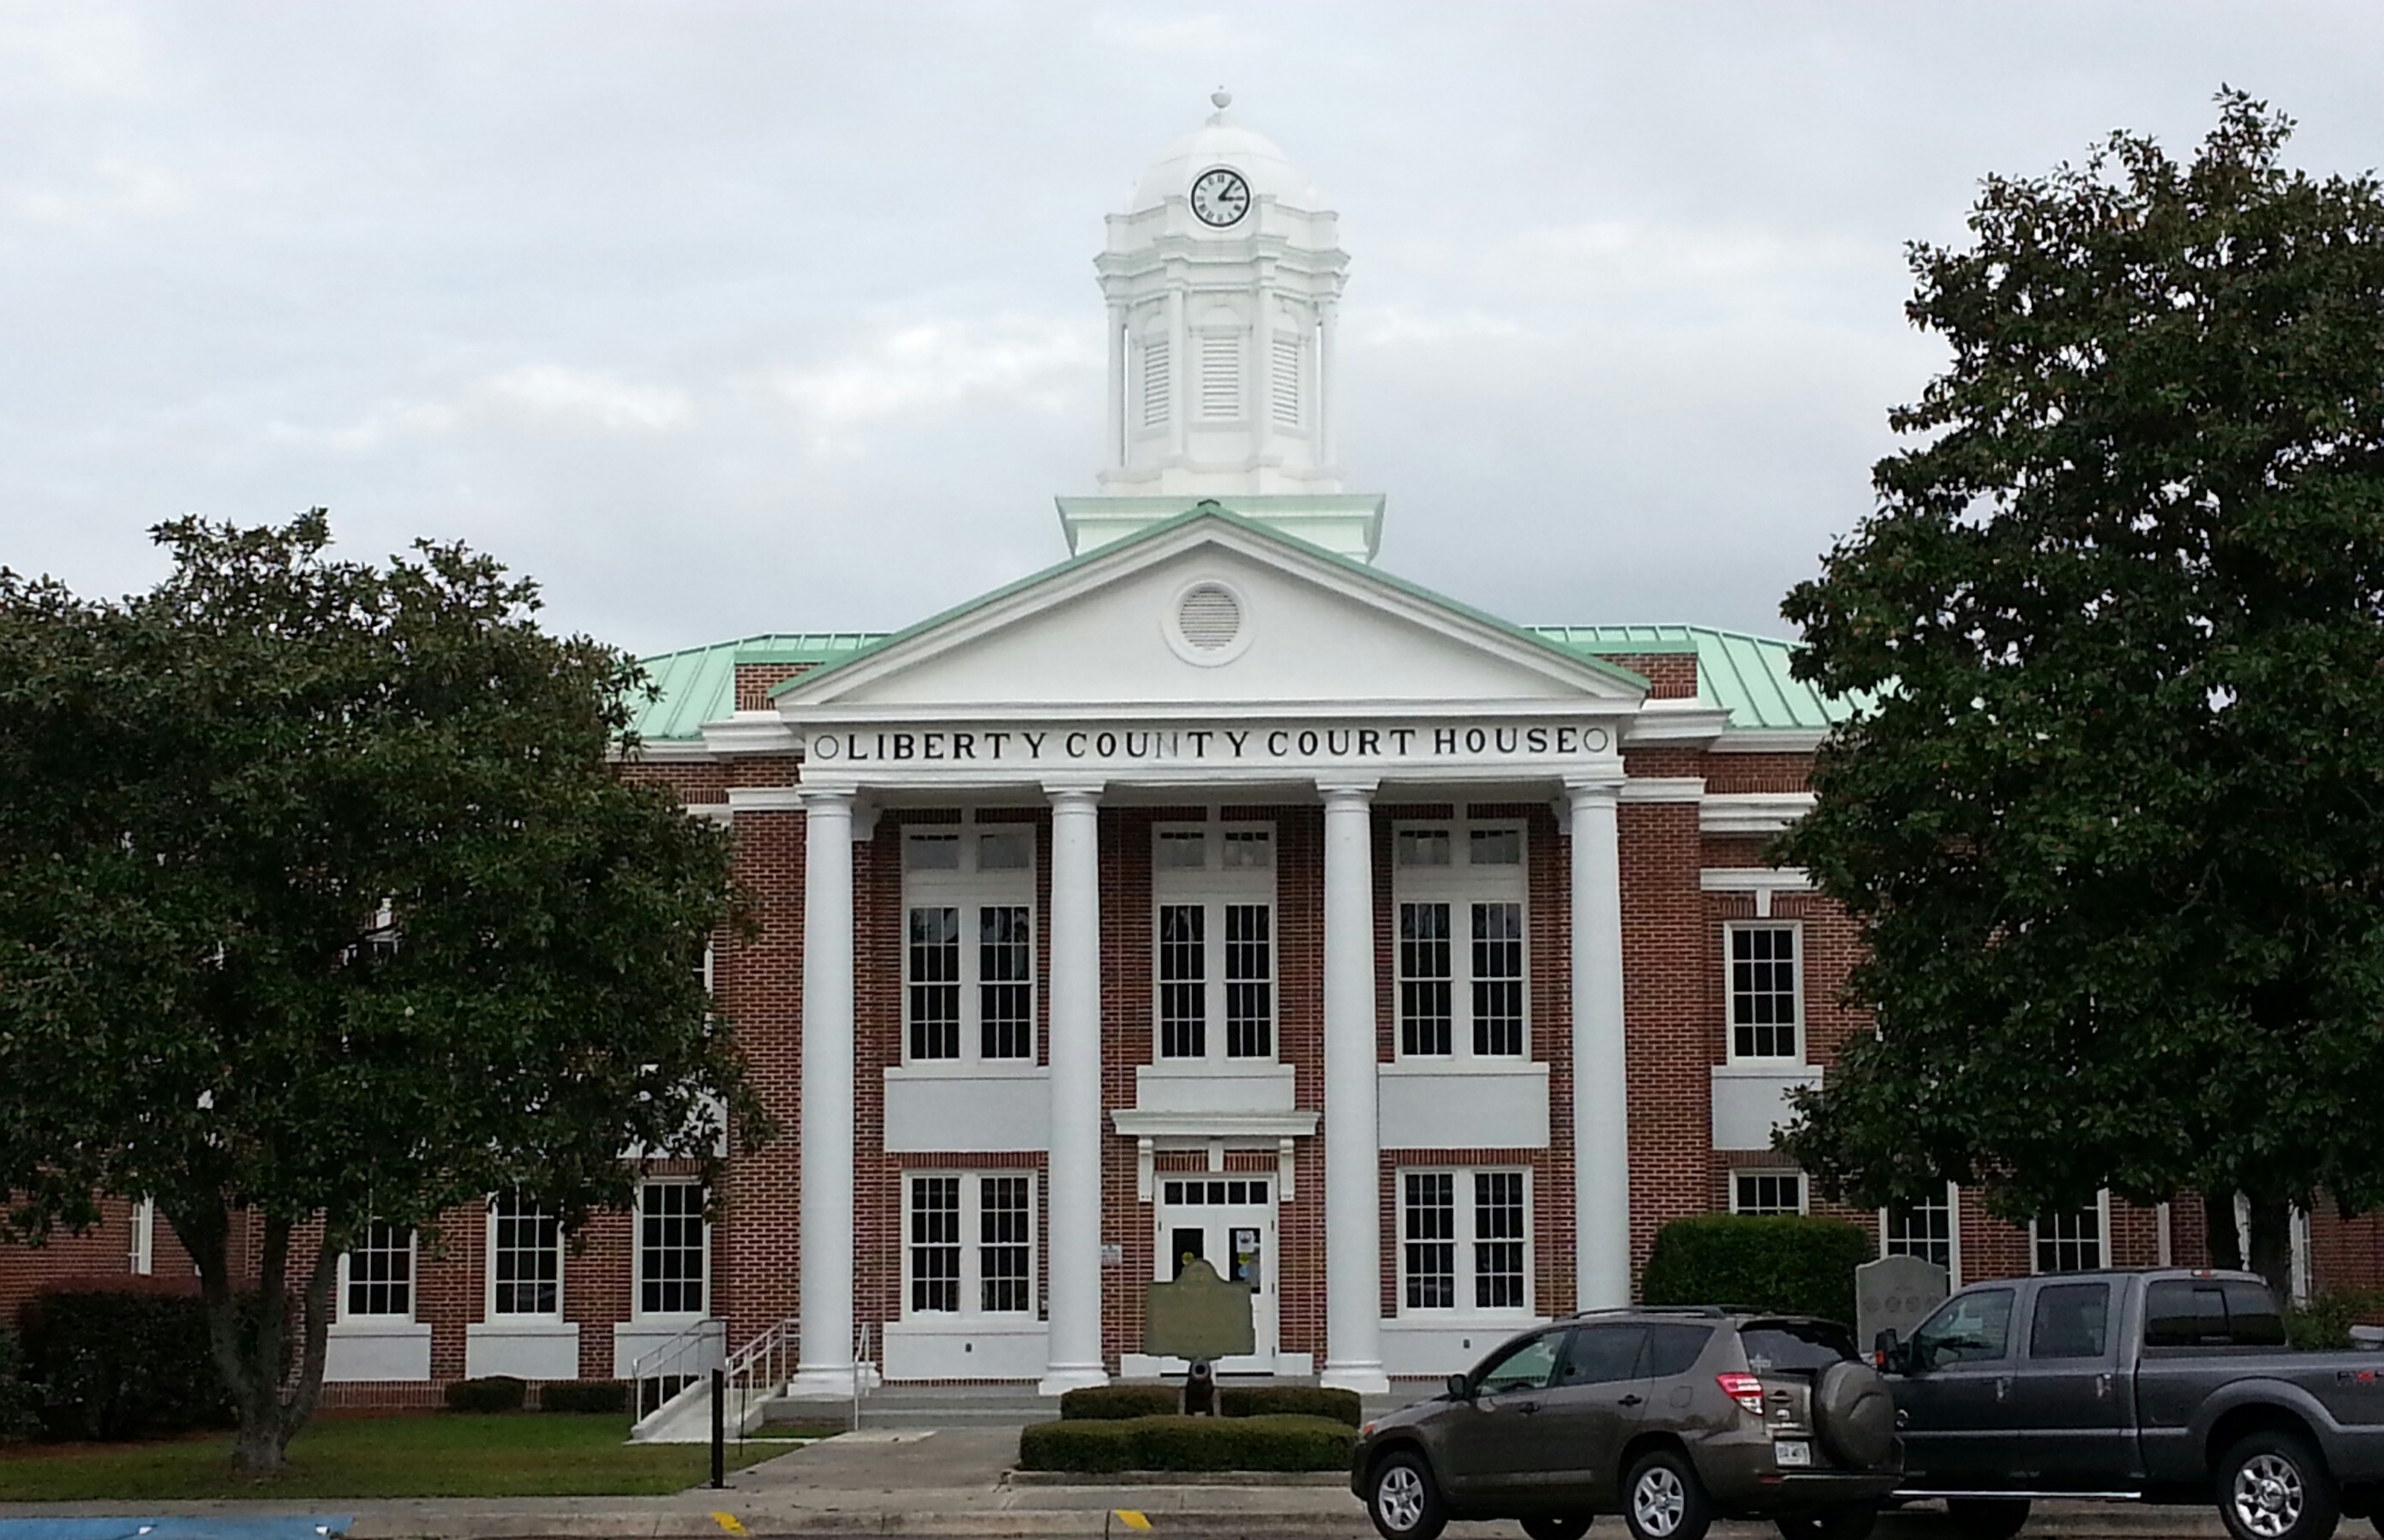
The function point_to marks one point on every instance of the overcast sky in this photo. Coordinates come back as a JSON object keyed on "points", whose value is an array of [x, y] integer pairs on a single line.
{"points": [[720, 318]]}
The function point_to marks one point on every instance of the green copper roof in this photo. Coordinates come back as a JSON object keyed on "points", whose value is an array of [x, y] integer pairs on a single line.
{"points": [[1746, 673], [700, 684]]}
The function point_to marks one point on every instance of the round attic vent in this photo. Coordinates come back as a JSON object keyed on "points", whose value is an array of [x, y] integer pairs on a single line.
{"points": [[1207, 623]]}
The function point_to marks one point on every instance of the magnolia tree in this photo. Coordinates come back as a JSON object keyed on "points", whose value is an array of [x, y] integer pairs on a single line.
{"points": [[321, 905], [2113, 820]]}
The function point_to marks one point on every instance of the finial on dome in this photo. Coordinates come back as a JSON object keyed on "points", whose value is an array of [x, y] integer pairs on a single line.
{"points": [[1220, 98]]}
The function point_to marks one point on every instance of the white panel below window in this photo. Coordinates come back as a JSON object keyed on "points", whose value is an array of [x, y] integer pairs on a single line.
{"points": [[526, 1350], [1436, 1107], [963, 1111], [1751, 1101], [966, 1349], [1198, 1086], [633, 1339], [1441, 1349], [369, 1350]]}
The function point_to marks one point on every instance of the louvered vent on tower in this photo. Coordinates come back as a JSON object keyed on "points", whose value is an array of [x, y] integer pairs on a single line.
{"points": [[1285, 381], [1209, 617], [1220, 375], [1155, 392]]}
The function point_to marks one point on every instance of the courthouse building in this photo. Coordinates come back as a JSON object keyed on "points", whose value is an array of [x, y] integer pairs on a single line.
{"points": [[1213, 893]]}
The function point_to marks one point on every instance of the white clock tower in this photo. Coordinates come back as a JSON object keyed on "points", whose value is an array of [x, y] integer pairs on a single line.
{"points": [[1222, 280]]}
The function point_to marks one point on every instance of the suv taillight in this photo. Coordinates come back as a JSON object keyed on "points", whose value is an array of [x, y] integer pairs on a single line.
{"points": [[1746, 1389]]}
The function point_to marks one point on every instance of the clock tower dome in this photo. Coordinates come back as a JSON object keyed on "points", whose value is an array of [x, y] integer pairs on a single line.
{"points": [[1222, 279]]}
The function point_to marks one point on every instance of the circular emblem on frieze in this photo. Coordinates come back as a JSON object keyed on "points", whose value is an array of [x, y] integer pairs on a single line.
{"points": [[1595, 739], [821, 746]]}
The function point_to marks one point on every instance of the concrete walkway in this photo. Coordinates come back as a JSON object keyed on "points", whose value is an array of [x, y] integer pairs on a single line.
{"points": [[949, 1482]]}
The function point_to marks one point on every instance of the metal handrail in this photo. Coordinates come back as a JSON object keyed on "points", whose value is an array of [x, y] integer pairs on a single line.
{"points": [[862, 1340], [655, 1364]]}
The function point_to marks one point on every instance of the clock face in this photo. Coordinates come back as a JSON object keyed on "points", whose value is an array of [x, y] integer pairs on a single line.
{"points": [[1221, 197]]}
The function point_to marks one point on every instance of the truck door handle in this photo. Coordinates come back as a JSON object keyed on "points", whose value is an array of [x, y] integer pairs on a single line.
{"points": [[2003, 1387], [2103, 1388], [1629, 1401]]}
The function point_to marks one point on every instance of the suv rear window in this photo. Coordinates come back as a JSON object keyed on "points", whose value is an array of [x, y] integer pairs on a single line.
{"points": [[1675, 1349], [2217, 1312], [1796, 1344]]}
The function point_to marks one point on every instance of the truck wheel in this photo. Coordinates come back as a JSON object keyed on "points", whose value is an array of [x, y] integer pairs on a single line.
{"points": [[1663, 1500], [1404, 1500], [1987, 1517], [2275, 1486]]}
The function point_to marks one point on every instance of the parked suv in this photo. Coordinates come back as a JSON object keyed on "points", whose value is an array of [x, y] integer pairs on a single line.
{"points": [[1671, 1418]]}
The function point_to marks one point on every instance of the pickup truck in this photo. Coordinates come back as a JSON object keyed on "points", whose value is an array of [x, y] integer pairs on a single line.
{"points": [[2165, 1386]]}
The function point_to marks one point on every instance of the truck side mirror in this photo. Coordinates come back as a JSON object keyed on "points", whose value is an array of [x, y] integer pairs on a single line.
{"points": [[1459, 1388], [1887, 1353]]}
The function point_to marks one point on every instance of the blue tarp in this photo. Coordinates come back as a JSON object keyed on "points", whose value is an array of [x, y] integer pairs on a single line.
{"points": [[201, 1526]]}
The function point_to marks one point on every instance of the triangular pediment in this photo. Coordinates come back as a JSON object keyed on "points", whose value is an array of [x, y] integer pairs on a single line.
{"points": [[1209, 610]]}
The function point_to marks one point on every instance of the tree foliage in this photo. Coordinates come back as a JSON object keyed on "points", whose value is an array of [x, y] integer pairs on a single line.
{"points": [[2114, 819], [322, 902]]}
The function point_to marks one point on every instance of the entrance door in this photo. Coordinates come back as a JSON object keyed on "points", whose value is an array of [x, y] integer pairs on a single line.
{"points": [[1227, 1222]]}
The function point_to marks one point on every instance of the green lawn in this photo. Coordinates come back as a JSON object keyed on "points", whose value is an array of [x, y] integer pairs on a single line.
{"points": [[440, 1455]]}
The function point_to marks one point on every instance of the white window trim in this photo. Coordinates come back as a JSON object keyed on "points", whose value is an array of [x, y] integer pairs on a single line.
{"points": [[1213, 887], [1953, 1235], [1804, 1185], [1460, 885], [1465, 1311], [1729, 1021], [637, 1311], [489, 1310], [968, 890], [143, 1258], [344, 1316], [972, 1278], [2102, 1237]]}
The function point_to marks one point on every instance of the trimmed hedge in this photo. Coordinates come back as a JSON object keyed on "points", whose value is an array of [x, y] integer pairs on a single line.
{"points": [[113, 1365], [1285, 1400], [1188, 1443], [21, 1402], [2323, 1321], [1784, 1262], [1109, 1403], [491, 1393], [584, 1395]]}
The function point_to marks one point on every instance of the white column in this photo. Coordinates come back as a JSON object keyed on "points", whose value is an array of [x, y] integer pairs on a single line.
{"points": [[1072, 1180], [1327, 450], [1180, 384], [825, 1364], [1353, 1265], [1115, 448], [1601, 1134]]}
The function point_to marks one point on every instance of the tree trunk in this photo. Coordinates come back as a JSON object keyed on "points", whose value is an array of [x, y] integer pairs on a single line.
{"points": [[250, 1335], [2272, 1244], [2218, 1226]]}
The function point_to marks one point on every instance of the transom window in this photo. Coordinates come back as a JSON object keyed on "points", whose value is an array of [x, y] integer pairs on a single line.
{"points": [[1465, 1241], [968, 946], [673, 1248], [381, 1274], [2070, 1240], [1235, 1192], [525, 1257], [1924, 1230], [1214, 934], [1767, 1192], [969, 1244], [1460, 946], [1766, 993]]}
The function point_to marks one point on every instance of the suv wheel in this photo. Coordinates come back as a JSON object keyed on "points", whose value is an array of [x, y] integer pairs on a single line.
{"points": [[2275, 1486], [1852, 1522], [1987, 1517], [1572, 1526], [1664, 1501], [1403, 1499]]}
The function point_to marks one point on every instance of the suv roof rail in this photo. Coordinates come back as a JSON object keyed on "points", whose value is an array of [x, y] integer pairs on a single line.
{"points": [[1713, 1312]]}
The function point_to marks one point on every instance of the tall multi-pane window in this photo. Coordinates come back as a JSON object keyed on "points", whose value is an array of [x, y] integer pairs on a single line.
{"points": [[673, 1248], [2070, 1240], [525, 1257], [969, 1243], [1767, 1192], [1462, 984], [1924, 1230], [380, 1274], [1765, 992], [1465, 1240], [1213, 935], [968, 953]]}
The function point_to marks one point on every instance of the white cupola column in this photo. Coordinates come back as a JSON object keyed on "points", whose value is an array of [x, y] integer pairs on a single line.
{"points": [[1073, 1173], [825, 1366], [1114, 450], [1353, 1263], [1328, 453], [1601, 1130]]}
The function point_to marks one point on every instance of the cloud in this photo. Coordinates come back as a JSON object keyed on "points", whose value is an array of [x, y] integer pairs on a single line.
{"points": [[117, 189], [1205, 35], [80, 47], [543, 398], [911, 372]]}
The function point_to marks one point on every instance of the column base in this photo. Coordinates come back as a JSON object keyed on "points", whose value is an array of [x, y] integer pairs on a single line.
{"points": [[823, 1382], [1062, 1378], [1366, 1378]]}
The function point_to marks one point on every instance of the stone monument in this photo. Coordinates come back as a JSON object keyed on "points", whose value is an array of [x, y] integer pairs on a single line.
{"points": [[1897, 1292]]}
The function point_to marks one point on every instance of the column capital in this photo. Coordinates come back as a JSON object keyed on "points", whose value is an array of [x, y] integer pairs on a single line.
{"points": [[1348, 788], [828, 799], [1590, 791], [1074, 791]]}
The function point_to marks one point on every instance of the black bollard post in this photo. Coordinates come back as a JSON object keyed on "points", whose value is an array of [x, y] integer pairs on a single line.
{"points": [[719, 1429]]}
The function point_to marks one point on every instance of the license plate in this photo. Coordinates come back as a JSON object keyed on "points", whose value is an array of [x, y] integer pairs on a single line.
{"points": [[1792, 1451]]}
